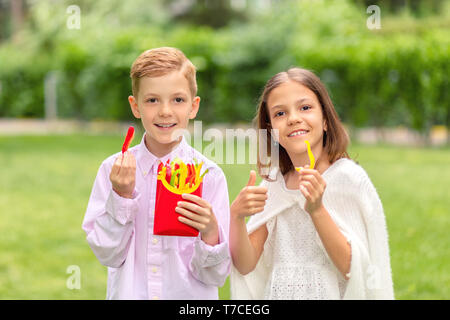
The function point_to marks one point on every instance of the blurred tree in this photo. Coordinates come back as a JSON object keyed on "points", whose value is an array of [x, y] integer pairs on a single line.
{"points": [[17, 17], [396, 75], [418, 7], [4, 20], [216, 14], [12, 17]]}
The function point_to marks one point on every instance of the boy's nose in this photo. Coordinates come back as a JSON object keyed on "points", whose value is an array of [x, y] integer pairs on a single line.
{"points": [[165, 110]]}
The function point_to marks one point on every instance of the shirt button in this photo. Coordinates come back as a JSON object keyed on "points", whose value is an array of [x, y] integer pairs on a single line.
{"points": [[155, 241], [155, 298], [154, 269]]}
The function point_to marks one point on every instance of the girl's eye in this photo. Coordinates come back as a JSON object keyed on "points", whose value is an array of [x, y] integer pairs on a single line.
{"points": [[305, 107], [279, 113], [179, 100]]}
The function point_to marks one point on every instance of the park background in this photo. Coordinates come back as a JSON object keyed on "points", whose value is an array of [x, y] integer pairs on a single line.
{"points": [[64, 83]]}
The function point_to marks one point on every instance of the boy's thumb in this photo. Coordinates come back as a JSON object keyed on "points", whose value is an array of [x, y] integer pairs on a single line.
{"points": [[252, 179]]}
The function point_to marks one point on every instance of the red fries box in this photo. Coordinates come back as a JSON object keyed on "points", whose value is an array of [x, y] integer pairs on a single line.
{"points": [[174, 179]]}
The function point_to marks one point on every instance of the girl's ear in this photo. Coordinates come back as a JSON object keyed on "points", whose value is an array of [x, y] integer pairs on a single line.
{"points": [[195, 107], [134, 107], [325, 127]]}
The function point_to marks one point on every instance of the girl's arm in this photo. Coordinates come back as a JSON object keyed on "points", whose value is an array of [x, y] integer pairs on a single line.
{"points": [[246, 249], [335, 243], [312, 185]]}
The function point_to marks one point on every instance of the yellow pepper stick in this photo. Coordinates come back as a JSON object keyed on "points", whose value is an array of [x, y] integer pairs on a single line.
{"points": [[312, 161], [183, 175], [197, 173]]}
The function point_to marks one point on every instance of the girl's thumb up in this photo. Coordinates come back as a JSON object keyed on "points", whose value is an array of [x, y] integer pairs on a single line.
{"points": [[252, 179]]}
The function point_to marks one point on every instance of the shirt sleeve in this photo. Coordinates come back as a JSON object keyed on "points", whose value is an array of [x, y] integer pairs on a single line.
{"points": [[109, 220], [212, 264]]}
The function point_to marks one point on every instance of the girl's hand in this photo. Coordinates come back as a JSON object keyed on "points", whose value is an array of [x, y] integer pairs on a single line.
{"points": [[312, 186], [200, 216], [123, 175], [250, 200]]}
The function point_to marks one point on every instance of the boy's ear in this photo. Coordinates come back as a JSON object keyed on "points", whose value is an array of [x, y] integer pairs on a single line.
{"points": [[134, 107], [195, 107]]}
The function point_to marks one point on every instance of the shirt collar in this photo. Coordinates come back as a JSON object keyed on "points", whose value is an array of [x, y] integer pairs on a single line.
{"points": [[147, 160]]}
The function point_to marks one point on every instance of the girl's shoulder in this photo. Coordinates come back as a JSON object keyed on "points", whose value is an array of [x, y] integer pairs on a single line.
{"points": [[346, 172]]}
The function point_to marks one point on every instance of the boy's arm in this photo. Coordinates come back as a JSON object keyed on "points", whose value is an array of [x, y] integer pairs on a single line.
{"points": [[212, 264], [109, 220]]}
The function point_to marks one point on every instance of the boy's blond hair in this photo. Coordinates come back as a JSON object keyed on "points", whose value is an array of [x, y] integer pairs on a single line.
{"points": [[159, 62]]}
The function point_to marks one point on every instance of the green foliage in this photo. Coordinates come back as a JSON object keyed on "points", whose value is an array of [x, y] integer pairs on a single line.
{"points": [[381, 77]]}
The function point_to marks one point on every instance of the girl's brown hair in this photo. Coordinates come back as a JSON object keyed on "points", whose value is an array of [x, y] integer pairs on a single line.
{"points": [[335, 139]]}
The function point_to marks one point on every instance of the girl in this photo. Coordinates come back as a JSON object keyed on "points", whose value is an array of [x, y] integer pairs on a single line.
{"points": [[319, 233]]}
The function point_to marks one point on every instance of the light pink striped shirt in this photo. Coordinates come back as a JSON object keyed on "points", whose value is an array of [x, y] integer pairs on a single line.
{"points": [[140, 264]]}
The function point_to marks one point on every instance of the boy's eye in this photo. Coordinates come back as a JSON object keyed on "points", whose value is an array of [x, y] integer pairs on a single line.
{"points": [[179, 100], [152, 100]]}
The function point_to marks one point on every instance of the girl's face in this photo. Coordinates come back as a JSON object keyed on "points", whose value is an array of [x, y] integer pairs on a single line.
{"points": [[297, 114]]}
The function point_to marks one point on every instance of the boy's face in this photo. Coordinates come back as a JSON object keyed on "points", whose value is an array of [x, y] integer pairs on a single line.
{"points": [[165, 105]]}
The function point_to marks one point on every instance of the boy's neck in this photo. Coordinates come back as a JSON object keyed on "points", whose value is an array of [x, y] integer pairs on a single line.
{"points": [[160, 149]]}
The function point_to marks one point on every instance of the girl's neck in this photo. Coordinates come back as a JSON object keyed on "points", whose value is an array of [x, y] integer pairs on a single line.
{"points": [[320, 155], [291, 177]]}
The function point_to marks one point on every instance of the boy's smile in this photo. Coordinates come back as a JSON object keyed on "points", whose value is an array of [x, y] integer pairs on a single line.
{"points": [[165, 104]]}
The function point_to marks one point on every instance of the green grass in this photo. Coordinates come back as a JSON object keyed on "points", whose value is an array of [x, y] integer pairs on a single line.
{"points": [[46, 182]]}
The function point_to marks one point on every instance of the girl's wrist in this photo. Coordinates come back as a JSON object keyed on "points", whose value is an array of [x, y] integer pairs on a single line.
{"points": [[235, 215], [238, 218], [318, 212]]}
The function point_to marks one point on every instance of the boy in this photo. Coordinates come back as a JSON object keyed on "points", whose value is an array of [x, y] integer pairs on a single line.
{"points": [[120, 212]]}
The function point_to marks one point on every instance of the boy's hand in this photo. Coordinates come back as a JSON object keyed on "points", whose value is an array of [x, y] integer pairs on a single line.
{"points": [[250, 200], [312, 186], [200, 216], [123, 175]]}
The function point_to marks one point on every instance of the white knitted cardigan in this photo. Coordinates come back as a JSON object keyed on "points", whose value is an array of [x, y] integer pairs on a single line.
{"points": [[355, 207]]}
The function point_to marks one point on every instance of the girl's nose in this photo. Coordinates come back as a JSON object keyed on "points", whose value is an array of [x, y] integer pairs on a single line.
{"points": [[294, 118]]}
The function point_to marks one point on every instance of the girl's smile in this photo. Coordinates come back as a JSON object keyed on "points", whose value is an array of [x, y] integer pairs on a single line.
{"points": [[298, 133]]}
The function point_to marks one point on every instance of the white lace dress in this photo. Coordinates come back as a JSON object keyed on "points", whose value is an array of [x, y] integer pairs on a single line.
{"points": [[294, 263], [301, 270]]}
